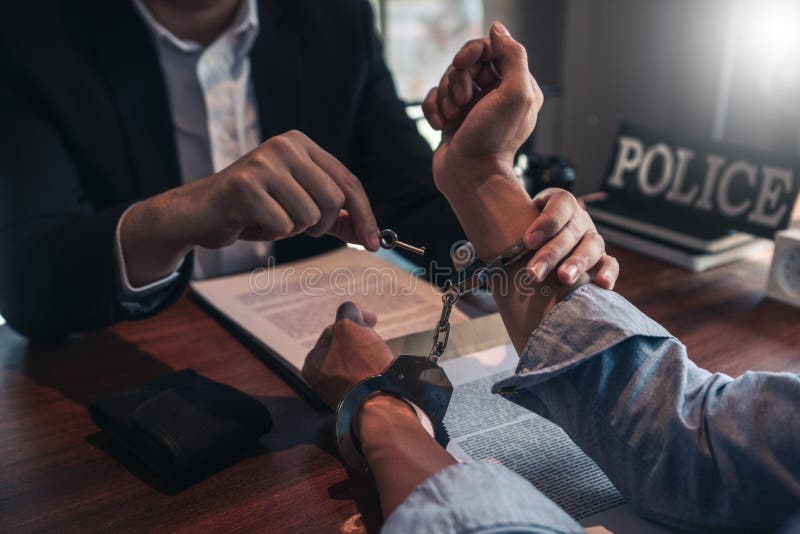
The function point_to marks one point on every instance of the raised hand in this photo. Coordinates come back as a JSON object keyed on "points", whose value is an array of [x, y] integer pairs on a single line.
{"points": [[485, 105]]}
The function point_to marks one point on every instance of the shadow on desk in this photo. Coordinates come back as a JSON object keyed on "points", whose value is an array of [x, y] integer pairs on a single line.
{"points": [[86, 367], [297, 423], [90, 366]]}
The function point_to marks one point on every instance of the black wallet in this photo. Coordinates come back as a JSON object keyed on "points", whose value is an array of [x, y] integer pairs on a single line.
{"points": [[182, 425]]}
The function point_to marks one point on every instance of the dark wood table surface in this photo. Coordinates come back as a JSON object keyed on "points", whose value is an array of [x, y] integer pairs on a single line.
{"points": [[58, 472]]}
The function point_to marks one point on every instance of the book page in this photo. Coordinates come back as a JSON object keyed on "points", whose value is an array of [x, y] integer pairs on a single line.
{"points": [[484, 426], [287, 307]]}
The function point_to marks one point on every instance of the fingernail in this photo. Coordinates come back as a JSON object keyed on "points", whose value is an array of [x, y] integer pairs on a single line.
{"points": [[373, 242], [571, 271], [534, 239], [539, 271], [436, 121], [500, 27], [608, 282]]}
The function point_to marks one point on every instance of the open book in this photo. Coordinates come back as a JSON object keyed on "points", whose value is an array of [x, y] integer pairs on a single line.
{"points": [[284, 309]]}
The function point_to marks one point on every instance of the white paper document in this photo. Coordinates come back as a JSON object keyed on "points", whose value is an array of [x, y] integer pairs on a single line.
{"points": [[286, 307]]}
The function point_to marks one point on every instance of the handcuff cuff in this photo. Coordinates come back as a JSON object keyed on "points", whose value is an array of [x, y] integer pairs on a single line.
{"points": [[419, 380]]}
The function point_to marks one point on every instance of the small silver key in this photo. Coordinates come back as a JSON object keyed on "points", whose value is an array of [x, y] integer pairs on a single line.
{"points": [[388, 240]]}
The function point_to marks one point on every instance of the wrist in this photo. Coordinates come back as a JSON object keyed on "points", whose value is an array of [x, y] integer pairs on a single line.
{"points": [[382, 411], [154, 219], [400, 452], [150, 245], [460, 175], [494, 215]]}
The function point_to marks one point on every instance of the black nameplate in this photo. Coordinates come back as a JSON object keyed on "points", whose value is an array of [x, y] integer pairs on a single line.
{"points": [[714, 184]]}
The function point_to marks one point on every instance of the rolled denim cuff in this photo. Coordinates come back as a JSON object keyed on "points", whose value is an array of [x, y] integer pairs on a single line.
{"points": [[478, 497], [587, 322]]}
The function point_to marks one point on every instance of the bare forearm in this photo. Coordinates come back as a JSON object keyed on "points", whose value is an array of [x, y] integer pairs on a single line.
{"points": [[495, 216], [400, 453]]}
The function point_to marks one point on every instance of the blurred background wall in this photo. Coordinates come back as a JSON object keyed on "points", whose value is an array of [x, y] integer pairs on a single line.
{"points": [[723, 69], [704, 69]]}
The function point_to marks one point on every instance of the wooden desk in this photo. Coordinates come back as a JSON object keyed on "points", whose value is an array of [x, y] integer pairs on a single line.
{"points": [[58, 472]]}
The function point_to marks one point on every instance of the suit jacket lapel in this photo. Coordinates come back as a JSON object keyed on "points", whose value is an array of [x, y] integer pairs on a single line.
{"points": [[129, 61], [277, 71]]}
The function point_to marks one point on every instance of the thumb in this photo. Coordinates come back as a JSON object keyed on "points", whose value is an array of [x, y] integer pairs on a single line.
{"points": [[510, 57], [345, 229], [348, 310]]}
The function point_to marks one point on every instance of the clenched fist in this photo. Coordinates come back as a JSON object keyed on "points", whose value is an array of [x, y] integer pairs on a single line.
{"points": [[347, 352], [486, 106]]}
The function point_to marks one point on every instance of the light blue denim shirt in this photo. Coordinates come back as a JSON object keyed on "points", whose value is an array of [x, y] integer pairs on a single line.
{"points": [[686, 447]]}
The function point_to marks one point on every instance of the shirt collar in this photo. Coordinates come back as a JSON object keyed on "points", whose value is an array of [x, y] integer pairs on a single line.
{"points": [[243, 30]]}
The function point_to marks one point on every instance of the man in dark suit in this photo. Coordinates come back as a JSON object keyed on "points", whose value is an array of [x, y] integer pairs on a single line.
{"points": [[131, 150]]}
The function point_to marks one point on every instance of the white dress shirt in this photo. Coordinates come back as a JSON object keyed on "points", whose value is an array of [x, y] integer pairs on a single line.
{"points": [[215, 119]]}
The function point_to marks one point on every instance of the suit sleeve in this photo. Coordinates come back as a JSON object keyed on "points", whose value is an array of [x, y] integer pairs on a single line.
{"points": [[57, 265], [395, 164]]}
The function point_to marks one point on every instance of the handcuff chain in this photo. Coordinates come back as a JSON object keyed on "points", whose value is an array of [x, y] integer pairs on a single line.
{"points": [[441, 332], [454, 290]]}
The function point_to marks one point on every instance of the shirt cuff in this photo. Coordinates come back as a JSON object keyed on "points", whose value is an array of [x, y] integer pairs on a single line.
{"points": [[129, 293], [587, 322], [478, 497]]}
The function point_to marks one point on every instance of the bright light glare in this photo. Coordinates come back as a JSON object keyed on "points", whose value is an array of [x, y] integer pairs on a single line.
{"points": [[775, 28], [429, 134], [2, 321]]}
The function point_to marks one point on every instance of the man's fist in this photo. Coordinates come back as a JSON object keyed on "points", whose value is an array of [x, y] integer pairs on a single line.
{"points": [[485, 105], [347, 352]]}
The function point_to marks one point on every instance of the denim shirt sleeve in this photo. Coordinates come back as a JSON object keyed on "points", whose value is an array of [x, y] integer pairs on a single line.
{"points": [[686, 447], [478, 497]]}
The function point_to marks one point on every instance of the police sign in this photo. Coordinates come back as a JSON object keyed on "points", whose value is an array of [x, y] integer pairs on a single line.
{"points": [[713, 183]]}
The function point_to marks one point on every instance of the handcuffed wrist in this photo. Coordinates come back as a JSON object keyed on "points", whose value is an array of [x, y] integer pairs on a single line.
{"points": [[381, 408]]}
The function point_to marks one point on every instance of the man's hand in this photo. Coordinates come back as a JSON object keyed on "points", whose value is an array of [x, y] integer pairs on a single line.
{"points": [[399, 451], [347, 352], [565, 230], [482, 130], [486, 106], [285, 186]]}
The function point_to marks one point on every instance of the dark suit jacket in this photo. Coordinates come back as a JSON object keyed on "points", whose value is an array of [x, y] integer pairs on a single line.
{"points": [[85, 130]]}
